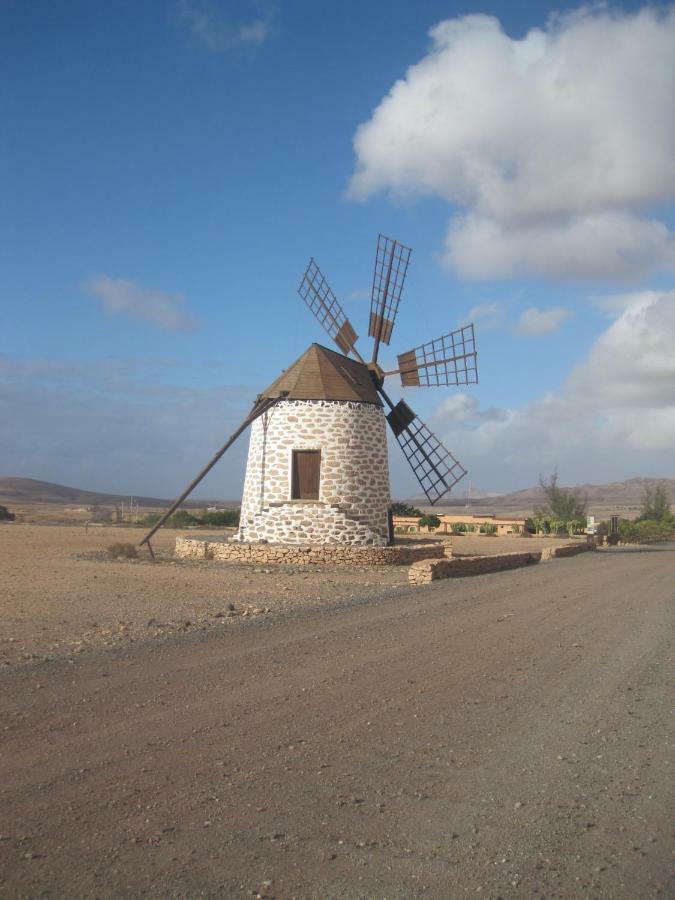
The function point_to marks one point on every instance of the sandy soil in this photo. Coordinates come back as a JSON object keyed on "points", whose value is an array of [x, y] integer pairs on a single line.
{"points": [[63, 596], [506, 736]]}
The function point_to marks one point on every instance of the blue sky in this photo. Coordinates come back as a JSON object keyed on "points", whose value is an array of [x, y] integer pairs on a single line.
{"points": [[166, 170]]}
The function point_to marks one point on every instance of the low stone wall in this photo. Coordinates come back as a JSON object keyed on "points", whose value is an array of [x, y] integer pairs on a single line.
{"points": [[427, 570], [566, 550], [308, 554], [431, 570]]}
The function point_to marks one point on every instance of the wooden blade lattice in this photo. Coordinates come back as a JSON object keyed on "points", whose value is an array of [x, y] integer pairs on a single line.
{"points": [[322, 302], [434, 466], [391, 267], [450, 359]]}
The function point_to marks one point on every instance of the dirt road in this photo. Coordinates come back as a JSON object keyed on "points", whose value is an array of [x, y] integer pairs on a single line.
{"points": [[506, 736]]}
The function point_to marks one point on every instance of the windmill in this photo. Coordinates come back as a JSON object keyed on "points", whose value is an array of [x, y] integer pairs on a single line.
{"points": [[317, 467]]}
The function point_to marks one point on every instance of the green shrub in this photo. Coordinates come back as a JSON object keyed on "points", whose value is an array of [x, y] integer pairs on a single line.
{"points": [[221, 518], [182, 518], [149, 519], [404, 509], [430, 522], [6, 515], [123, 551], [488, 528], [644, 531], [459, 528]]}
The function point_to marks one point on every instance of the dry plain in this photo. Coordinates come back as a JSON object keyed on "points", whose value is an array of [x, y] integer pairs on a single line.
{"points": [[63, 595], [504, 736]]}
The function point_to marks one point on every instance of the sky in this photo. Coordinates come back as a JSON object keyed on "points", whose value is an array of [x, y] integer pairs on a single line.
{"points": [[168, 168]]}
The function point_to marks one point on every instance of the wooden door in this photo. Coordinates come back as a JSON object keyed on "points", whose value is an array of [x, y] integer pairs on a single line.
{"points": [[306, 473]]}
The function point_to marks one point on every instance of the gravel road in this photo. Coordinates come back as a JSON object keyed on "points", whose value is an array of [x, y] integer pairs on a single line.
{"points": [[502, 736]]}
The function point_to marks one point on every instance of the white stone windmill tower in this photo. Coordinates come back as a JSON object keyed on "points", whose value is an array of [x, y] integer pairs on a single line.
{"points": [[317, 469]]}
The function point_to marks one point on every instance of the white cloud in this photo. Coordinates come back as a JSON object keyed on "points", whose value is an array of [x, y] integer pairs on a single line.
{"points": [[490, 315], [553, 145], [614, 415], [535, 321], [122, 297], [611, 245], [217, 32]]}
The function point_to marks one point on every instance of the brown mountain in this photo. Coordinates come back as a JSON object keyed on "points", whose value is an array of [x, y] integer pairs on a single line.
{"points": [[30, 490], [620, 497]]}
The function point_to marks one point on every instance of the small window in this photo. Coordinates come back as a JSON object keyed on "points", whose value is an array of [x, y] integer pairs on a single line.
{"points": [[306, 472]]}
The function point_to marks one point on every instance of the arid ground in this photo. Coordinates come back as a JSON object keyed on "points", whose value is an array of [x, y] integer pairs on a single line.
{"points": [[63, 595], [501, 736]]}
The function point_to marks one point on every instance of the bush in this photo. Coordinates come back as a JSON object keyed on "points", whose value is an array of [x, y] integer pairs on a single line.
{"points": [[429, 522], [123, 551], [182, 518], [221, 518], [404, 509], [488, 528], [459, 528], [644, 531], [149, 519], [6, 515]]}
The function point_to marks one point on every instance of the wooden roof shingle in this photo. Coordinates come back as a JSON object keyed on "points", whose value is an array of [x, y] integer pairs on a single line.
{"points": [[323, 374]]}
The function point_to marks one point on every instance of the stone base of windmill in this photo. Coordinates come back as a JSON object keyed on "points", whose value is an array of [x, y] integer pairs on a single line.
{"points": [[308, 554]]}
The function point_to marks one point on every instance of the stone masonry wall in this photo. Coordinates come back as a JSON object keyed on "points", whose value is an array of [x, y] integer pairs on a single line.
{"points": [[294, 554], [354, 481], [426, 570]]}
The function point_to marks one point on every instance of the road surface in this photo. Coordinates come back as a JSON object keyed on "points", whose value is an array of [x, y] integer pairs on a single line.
{"points": [[501, 736]]}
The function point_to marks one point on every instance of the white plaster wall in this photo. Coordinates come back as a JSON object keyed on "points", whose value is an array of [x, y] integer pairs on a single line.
{"points": [[354, 484]]}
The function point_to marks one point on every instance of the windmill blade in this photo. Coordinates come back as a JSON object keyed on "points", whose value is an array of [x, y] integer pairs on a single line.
{"points": [[434, 466], [323, 304], [450, 359], [391, 267]]}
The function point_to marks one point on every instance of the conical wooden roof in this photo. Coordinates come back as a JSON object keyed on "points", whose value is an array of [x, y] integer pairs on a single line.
{"points": [[323, 374]]}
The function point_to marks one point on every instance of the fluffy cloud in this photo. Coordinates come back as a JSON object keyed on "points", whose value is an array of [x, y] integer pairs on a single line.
{"points": [[216, 32], [613, 416], [535, 321], [490, 315], [122, 297], [552, 145]]}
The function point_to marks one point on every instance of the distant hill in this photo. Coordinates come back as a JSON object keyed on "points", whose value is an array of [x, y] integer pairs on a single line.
{"points": [[29, 490], [620, 496]]}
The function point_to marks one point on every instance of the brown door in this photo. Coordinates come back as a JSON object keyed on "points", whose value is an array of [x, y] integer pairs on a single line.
{"points": [[306, 470]]}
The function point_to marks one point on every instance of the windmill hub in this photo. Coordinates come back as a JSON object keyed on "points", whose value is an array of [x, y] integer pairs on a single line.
{"points": [[377, 374]]}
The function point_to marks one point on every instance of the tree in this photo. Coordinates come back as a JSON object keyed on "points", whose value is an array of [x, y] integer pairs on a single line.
{"points": [[656, 503], [562, 504], [404, 509], [429, 522], [6, 515]]}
